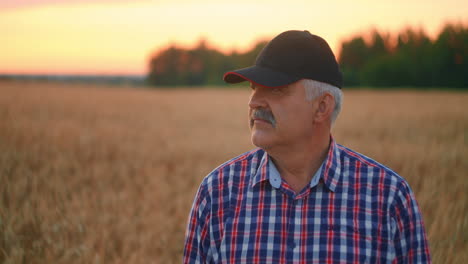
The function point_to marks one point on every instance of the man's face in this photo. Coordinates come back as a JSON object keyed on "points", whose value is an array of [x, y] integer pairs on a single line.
{"points": [[280, 116]]}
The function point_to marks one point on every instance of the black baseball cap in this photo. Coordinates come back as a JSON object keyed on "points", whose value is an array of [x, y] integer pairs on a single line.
{"points": [[289, 57]]}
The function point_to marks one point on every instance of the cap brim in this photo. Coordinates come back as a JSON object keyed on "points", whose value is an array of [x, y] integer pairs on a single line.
{"points": [[260, 76]]}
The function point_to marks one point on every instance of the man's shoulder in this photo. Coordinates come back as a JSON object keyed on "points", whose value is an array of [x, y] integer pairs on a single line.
{"points": [[370, 174], [243, 164], [253, 155], [352, 159]]}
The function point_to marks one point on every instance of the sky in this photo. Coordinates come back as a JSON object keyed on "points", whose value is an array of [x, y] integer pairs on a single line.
{"points": [[119, 36]]}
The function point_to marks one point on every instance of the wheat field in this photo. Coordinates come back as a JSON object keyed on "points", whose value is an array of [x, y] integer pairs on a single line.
{"points": [[100, 174]]}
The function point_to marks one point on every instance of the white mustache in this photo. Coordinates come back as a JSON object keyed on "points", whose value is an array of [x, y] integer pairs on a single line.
{"points": [[263, 114]]}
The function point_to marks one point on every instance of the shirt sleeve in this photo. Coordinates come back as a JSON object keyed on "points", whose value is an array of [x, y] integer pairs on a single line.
{"points": [[410, 240], [197, 232]]}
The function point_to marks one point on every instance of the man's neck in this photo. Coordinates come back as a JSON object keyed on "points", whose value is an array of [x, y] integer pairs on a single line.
{"points": [[298, 164]]}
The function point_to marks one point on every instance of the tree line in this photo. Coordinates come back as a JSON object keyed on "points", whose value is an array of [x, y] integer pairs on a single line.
{"points": [[410, 58], [202, 65]]}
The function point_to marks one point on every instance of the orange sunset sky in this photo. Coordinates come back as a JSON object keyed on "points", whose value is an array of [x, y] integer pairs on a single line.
{"points": [[118, 36]]}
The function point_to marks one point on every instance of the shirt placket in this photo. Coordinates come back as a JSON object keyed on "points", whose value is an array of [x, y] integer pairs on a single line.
{"points": [[294, 228], [296, 218]]}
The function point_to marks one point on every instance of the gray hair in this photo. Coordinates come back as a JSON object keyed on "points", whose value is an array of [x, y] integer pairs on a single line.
{"points": [[314, 89]]}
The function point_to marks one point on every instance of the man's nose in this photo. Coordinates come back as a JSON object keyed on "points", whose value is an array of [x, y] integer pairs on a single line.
{"points": [[257, 100]]}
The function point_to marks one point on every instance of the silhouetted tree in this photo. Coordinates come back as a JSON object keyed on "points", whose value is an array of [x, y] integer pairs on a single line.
{"points": [[450, 57], [353, 57]]}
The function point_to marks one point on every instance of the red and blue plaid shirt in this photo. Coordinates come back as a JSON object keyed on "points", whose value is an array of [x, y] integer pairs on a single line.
{"points": [[354, 211]]}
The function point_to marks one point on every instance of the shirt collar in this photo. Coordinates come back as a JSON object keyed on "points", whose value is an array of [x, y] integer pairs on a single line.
{"points": [[331, 167], [329, 171], [262, 173]]}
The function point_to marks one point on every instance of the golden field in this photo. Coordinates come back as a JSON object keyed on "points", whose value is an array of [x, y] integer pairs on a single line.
{"points": [[97, 174]]}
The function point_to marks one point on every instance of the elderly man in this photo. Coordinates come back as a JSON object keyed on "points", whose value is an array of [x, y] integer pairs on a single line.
{"points": [[300, 197]]}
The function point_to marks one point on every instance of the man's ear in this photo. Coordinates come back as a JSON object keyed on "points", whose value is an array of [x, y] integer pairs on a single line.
{"points": [[326, 105]]}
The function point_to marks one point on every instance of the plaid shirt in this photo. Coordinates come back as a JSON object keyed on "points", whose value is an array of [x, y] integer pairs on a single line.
{"points": [[355, 210]]}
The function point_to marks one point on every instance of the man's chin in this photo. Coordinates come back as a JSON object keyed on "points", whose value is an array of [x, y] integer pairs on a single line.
{"points": [[261, 141]]}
